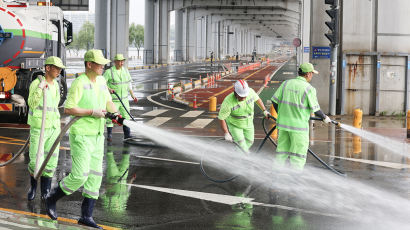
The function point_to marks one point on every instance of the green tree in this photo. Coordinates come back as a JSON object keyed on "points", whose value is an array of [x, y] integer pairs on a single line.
{"points": [[74, 45], [136, 36], [86, 36]]}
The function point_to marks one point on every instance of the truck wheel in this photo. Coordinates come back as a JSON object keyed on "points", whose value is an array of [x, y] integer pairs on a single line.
{"points": [[23, 114]]}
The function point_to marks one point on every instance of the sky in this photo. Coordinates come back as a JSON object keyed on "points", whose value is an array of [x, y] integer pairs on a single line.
{"points": [[137, 10]]}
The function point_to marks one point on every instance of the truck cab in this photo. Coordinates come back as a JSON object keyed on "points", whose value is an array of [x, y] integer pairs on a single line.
{"points": [[29, 33]]}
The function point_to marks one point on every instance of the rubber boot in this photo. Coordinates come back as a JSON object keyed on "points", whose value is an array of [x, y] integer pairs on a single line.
{"points": [[87, 208], [45, 187], [109, 134], [127, 132], [55, 194], [33, 186]]}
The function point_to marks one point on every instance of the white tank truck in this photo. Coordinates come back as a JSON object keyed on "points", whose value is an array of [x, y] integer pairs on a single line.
{"points": [[30, 31]]}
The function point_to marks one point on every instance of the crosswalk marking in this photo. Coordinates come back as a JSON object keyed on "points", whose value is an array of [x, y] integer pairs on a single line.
{"points": [[193, 113], [158, 121], [199, 123], [154, 113]]}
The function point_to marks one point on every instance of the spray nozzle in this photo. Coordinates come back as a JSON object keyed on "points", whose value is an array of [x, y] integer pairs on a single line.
{"points": [[338, 124], [116, 118]]}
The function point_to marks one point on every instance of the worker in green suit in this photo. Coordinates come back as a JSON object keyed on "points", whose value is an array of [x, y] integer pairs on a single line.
{"points": [[115, 198], [119, 81], [236, 115], [90, 99], [295, 100], [53, 66]]}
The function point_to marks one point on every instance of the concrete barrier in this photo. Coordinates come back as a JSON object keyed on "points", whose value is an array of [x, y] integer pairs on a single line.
{"points": [[197, 84], [187, 86]]}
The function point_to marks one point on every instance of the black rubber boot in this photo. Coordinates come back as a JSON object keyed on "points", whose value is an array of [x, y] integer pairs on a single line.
{"points": [[87, 208], [109, 134], [127, 132], [55, 194], [33, 186], [45, 187]]}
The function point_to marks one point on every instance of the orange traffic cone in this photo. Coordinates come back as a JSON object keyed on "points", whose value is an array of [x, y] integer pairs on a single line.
{"points": [[194, 104]]}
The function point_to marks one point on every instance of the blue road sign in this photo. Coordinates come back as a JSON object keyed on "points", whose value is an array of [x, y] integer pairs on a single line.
{"points": [[321, 52], [306, 49]]}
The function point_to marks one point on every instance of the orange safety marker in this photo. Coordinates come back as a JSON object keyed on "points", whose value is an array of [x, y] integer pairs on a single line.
{"points": [[194, 104]]}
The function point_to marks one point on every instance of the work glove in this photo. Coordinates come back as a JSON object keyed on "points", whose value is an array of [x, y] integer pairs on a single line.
{"points": [[327, 120], [228, 137], [266, 114], [135, 100], [99, 113], [42, 84]]}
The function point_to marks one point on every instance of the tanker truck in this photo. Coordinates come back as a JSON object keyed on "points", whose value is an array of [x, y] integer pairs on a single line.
{"points": [[29, 32]]}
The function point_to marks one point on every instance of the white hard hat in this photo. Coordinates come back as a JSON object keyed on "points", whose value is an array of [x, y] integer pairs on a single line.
{"points": [[241, 88]]}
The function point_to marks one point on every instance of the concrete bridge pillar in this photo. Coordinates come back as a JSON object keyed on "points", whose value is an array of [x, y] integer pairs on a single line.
{"points": [[149, 32], [102, 28], [111, 27], [178, 52], [163, 32]]}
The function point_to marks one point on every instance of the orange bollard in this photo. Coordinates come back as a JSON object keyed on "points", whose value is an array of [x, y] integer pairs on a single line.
{"points": [[212, 104], [273, 112], [194, 103], [357, 118], [357, 144], [173, 96], [408, 124]]}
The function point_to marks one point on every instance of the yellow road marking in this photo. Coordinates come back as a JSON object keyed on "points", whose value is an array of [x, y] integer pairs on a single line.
{"points": [[33, 52], [223, 91], [12, 143], [12, 139], [45, 216]]}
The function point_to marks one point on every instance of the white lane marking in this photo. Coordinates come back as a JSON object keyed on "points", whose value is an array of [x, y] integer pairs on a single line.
{"points": [[14, 224], [224, 199], [193, 113], [199, 123], [378, 163], [170, 160], [287, 73], [218, 198], [155, 112], [158, 121], [167, 106]]}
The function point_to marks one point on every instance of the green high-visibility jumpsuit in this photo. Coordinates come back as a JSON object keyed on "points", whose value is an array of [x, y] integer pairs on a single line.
{"points": [[239, 118], [86, 137], [296, 100], [116, 196], [120, 82], [52, 124]]}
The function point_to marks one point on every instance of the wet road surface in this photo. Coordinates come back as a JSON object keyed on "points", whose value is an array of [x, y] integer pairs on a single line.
{"points": [[150, 187]]}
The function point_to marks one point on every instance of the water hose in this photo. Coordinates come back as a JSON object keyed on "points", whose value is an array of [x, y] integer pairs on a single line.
{"points": [[115, 93], [54, 146], [309, 151]]}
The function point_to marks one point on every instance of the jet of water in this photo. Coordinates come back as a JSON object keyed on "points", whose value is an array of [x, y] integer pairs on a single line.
{"points": [[316, 188], [394, 146]]}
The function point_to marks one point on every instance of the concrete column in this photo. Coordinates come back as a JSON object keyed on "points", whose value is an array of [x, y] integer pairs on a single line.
{"points": [[305, 36], [149, 32], [227, 40], [163, 32], [178, 52], [119, 27], [219, 46], [102, 28], [191, 35]]}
